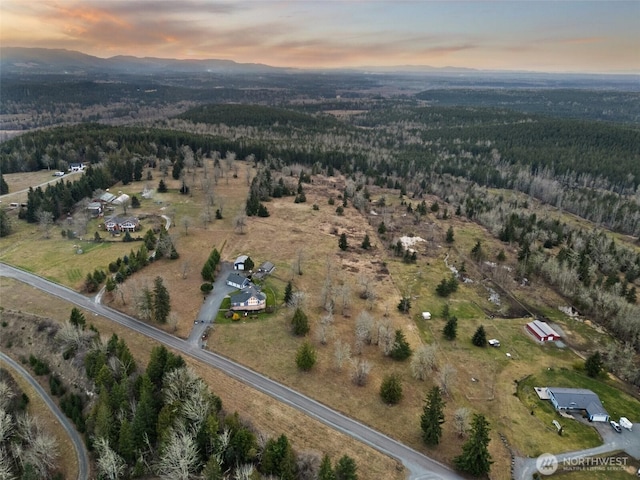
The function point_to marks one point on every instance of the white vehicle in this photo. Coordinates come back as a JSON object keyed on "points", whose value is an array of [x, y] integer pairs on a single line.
{"points": [[625, 423], [58, 174]]}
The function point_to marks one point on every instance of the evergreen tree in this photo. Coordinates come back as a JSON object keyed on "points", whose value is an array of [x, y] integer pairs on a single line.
{"points": [[405, 304], [401, 349], [391, 389], [162, 187], [146, 418], [382, 228], [475, 458], [366, 243], [126, 448], [300, 323], [326, 470], [5, 223], [346, 469], [306, 357], [432, 417], [77, 318], [450, 330], [4, 188], [278, 459], [449, 235], [480, 337], [288, 293], [476, 252], [342, 242], [593, 364], [161, 301]]}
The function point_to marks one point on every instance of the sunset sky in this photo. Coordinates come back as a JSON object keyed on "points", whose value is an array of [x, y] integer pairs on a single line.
{"points": [[540, 35]]}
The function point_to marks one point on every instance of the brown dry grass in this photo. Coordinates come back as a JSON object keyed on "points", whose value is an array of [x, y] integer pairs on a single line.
{"points": [[266, 413], [296, 230], [67, 464]]}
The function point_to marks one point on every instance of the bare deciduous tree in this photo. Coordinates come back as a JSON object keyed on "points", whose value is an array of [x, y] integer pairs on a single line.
{"points": [[240, 222], [324, 330], [447, 377], [423, 362], [45, 221], [364, 327], [386, 336], [186, 223], [341, 353], [110, 465], [308, 464], [179, 458], [185, 267], [360, 371], [461, 421]]}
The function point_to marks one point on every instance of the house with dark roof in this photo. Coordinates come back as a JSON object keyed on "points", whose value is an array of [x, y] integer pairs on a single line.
{"points": [[263, 270], [542, 331], [238, 281], [250, 299], [578, 399]]}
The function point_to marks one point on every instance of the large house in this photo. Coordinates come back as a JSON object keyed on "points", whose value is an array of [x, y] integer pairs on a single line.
{"points": [[578, 399], [121, 224], [542, 331], [249, 299], [238, 281]]}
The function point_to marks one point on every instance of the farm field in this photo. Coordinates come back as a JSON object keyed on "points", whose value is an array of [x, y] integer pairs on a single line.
{"points": [[297, 234]]}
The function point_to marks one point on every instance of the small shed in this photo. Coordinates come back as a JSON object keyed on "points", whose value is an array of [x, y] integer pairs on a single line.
{"points": [[494, 342], [426, 315], [240, 261], [95, 208]]}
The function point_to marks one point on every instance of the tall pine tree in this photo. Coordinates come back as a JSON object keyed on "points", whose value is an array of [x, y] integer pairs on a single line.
{"points": [[475, 458], [432, 417], [161, 301]]}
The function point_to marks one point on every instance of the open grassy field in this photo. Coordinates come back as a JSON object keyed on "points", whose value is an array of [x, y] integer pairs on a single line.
{"points": [[484, 379]]}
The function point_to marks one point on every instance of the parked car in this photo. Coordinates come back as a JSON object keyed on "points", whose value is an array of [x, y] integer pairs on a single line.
{"points": [[615, 426]]}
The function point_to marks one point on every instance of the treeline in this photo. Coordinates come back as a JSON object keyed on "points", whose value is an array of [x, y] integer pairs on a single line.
{"points": [[163, 420], [259, 116], [609, 105]]}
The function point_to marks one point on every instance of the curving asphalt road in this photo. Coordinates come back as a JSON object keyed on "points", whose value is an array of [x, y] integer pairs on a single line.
{"points": [[78, 444], [420, 467]]}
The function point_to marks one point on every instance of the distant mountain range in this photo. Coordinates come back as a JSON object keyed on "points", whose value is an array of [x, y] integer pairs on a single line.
{"points": [[60, 61]]}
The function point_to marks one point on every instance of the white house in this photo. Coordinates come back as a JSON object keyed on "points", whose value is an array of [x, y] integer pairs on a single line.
{"points": [[249, 299], [121, 224], [240, 261], [238, 281]]}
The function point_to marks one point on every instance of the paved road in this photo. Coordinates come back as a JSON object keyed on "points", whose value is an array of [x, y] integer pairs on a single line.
{"points": [[78, 444], [626, 441], [7, 196], [420, 467]]}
